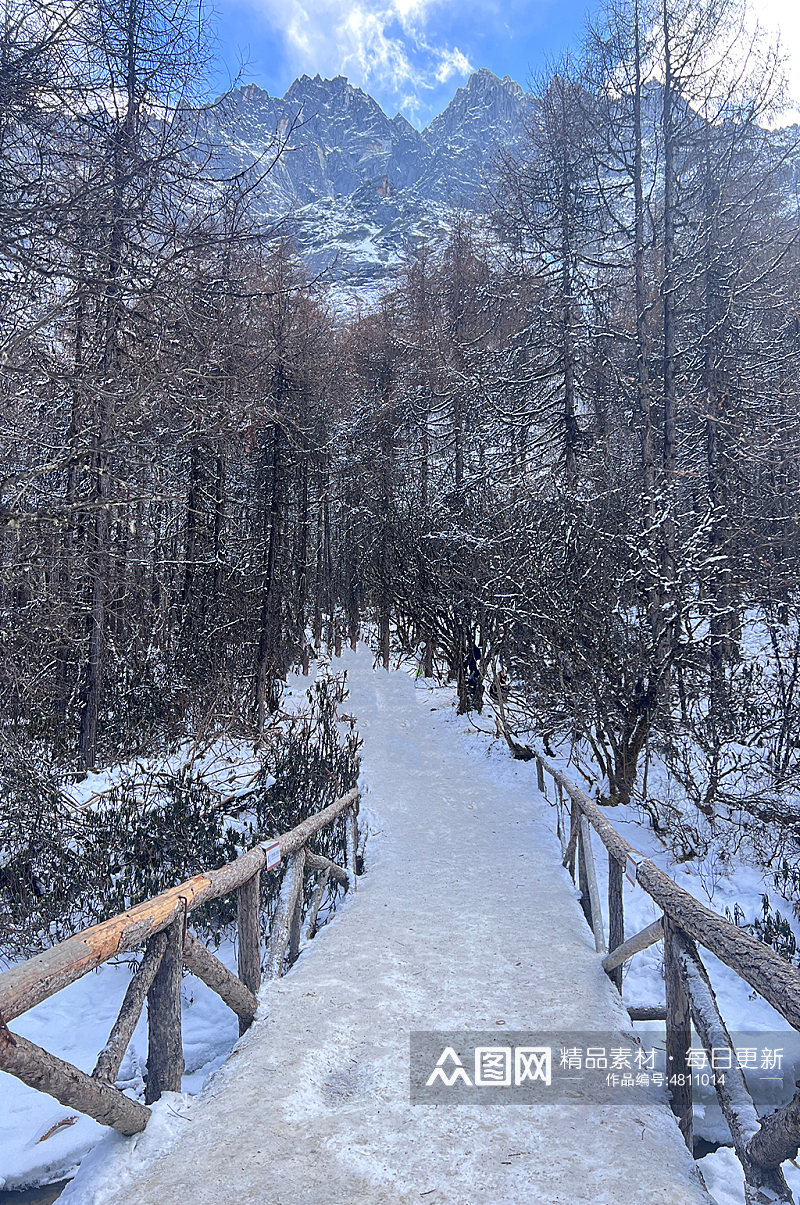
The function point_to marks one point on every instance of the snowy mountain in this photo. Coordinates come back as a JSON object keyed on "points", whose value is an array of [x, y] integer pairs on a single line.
{"points": [[354, 186]]}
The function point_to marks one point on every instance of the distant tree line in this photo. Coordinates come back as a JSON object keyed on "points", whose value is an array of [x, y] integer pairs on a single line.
{"points": [[558, 462], [580, 428]]}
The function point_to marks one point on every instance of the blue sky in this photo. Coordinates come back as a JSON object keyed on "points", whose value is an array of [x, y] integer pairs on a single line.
{"points": [[411, 55]]}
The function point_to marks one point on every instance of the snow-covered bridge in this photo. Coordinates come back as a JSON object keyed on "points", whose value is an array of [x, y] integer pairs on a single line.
{"points": [[465, 921]]}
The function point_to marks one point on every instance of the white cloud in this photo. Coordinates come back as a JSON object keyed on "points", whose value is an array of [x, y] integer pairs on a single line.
{"points": [[747, 51], [780, 19], [384, 43], [453, 62]]}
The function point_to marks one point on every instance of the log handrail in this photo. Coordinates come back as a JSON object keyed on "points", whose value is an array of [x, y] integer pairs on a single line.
{"points": [[160, 923], [29, 983], [761, 1144], [759, 965]]}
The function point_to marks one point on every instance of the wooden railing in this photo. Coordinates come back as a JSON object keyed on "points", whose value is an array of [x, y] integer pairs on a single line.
{"points": [[761, 1144], [161, 925]]}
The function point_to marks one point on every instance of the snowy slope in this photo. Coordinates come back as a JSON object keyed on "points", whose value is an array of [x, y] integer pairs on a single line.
{"points": [[465, 920], [354, 187]]}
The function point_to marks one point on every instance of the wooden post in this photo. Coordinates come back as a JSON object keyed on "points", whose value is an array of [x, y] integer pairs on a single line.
{"points": [[583, 885], [28, 983], [540, 775], [248, 899], [352, 846], [295, 927], [165, 1047], [316, 903], [762, 967], [679, 1033], [110, 1057], [616, 916], [762, 1183], [574, 827], [562, 835], [595, 911], [280, 932]]}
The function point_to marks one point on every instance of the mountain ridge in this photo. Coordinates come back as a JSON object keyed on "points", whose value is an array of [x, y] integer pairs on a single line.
{"points": [[355, 187]]}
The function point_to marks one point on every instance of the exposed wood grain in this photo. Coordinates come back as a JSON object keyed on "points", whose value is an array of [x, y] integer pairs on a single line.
{"points": [[30, 982], [25, 985]]}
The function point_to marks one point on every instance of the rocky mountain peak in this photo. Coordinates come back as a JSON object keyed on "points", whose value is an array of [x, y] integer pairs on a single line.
{"points": [[307, 88], [361, 185], [484, 80], [485, 102]]}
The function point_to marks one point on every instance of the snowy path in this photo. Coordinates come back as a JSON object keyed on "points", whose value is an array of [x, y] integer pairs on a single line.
{"points": [[464, 919]]}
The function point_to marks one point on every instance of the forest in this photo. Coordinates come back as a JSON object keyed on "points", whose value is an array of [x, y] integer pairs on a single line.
{"points": [[557, 465]]}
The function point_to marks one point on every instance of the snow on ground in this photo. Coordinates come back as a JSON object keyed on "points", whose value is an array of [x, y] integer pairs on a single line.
{"points": [[724, 1178], [40, 1141], [465, 920], [74, 1025], [725, 881], [722, 884], [431, 749]]}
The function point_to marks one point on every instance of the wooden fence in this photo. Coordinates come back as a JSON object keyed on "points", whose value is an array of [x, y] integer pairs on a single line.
{"points": [[761, 1144], [161, 925]]}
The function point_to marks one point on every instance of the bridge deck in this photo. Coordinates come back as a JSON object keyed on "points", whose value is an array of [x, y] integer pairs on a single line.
{"points": [[465, 920]]}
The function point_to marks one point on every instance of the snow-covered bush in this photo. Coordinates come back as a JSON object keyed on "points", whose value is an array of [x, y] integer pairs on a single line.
{"points": [[63, 866]]}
